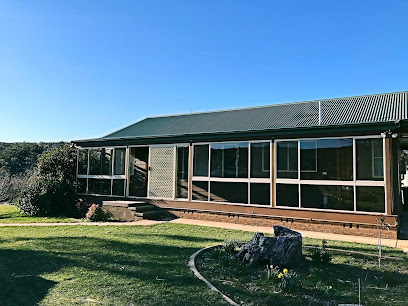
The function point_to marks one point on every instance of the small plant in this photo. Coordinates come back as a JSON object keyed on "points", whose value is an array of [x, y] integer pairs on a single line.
{"points": [[96, 213], [272, 271], [288, 280], [320, 254], [230, 246]]}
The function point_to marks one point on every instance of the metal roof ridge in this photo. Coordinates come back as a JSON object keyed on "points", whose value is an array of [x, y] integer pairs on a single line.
{"points": [[264, 106]]}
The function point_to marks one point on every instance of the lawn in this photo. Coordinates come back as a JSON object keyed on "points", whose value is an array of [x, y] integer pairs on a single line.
{"points": [[11, 214], [147, 265], [114, 265]]}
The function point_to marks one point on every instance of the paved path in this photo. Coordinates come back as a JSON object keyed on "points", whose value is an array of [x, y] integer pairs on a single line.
{"points": [[401, 244]]}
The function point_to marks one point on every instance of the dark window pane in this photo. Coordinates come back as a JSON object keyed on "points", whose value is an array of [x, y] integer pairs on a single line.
{"points": [[200, 191], [201, 160], [118, 187], [326, 159], [82, 161], [100, 162], [182, 172], [229, 192], [229, 160], [287, 156], [119, 164], [81, 185], [260, 194], [370, 159], [370, 199], [260, 160], [99, 186], [287, 195], [327, 197]]}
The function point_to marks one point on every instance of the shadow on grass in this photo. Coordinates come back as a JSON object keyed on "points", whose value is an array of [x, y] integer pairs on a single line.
{"points": [[22, 272]]}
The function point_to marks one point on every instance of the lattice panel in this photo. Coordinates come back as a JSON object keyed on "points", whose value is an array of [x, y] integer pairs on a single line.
{"points": [[162, 176]]}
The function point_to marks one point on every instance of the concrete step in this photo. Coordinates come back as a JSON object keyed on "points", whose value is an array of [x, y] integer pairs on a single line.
{"points": [[153, 214], [142, 208], [123, 203]]}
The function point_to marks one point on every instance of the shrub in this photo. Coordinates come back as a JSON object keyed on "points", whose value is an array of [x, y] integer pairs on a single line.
{"points": [[96, 213], [230, 246], [51, 188], [82, 207], [12, 186]]}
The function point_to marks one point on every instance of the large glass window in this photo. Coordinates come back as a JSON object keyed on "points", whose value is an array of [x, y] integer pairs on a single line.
{"points": [[326, 159], [200, 160], [370, 165], [100, 161], [99, 186], [81, 185], [229, 192], [119, 164], [327, 197], [260, 160], [229, 160], [287, 157], [371, 198]]}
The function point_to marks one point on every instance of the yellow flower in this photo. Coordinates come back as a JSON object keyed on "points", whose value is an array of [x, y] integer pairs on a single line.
{"points": [[280, 275], [285, 271]]}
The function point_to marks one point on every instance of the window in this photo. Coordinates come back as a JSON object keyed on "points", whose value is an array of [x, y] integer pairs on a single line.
{"points": [[118, 187], [81, 185], [182, 172], [99, 186], [100, 162], [371, 199], [200, 191], [200, 160], [287, 195], [326, 159], [229, 160], [229, 192], [260, 160], [370, 159], [335, 174], [260, 194], [119, 164], [83, 161], [327, 197], [287, 159]]}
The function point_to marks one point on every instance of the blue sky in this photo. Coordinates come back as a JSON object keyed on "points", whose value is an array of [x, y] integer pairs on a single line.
{"points": [[82, 69]]}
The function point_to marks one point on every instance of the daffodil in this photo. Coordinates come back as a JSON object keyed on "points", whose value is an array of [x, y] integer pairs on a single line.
{"points": [[285, 271], [280, 275]]}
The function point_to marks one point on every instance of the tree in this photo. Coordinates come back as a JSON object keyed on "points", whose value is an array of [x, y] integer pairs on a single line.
{"points": [[51, 188]]}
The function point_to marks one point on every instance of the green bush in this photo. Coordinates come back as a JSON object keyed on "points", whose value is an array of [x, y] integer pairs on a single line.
{"points": [[96, 213], [12, 186], [51, 188], [320, 254], [288, 280]]}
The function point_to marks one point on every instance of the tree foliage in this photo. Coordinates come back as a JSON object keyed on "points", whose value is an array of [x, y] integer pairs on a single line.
{"points": [[51, 188]]}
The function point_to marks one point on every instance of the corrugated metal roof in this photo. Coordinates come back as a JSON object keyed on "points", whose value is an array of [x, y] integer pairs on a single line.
{"points": [[340, 111]]}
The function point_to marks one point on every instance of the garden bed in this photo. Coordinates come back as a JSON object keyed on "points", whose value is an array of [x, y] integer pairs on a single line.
{"points": [[312, 282]]}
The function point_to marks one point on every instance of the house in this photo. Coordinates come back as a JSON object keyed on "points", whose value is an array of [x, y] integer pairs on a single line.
{"points": [[329, 165]]}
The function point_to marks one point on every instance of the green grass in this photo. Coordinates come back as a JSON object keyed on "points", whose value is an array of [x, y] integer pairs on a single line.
{"points": [[111, 265], [335, 282], [11, 214]]}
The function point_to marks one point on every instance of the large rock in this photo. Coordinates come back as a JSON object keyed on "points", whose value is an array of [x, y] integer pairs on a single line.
{"points": [[283, 250]]}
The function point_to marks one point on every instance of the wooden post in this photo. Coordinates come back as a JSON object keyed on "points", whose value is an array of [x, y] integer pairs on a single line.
{"points": [[387, 173], [190, 173], [273, 204]]}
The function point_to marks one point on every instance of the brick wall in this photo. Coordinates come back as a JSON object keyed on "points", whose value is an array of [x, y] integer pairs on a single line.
{"points": [[315, 226]]}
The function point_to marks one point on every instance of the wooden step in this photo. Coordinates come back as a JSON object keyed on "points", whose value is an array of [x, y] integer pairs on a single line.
{"points": [[153, 214]]}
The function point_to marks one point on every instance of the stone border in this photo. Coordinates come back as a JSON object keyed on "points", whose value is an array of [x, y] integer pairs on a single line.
{"points": [[192, 266]]}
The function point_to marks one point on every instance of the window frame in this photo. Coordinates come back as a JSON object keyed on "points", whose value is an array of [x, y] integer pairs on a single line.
{"points": [[247, 180], [105, 177], [355, 183]]}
